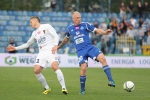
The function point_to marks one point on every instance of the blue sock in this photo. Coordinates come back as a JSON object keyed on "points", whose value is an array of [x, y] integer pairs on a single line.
{"points": [[108, 72], [82, 82]]}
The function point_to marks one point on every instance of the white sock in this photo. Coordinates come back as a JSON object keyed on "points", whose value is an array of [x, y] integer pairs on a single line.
{"points": [[60, 78], [42, 80]]}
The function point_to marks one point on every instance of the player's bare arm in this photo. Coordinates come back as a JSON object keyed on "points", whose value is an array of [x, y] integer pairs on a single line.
{"points": [[102, 32], [65, 40]]}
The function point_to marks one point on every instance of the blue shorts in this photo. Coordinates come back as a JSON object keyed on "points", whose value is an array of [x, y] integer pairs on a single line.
{"points": [[90, 51]]}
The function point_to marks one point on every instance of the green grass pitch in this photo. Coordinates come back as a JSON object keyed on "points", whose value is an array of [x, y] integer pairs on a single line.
{"points": [[21, 84]]}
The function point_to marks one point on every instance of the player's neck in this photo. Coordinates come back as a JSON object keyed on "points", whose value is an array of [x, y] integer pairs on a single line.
{"points": [[76, 24], [37, 26]]}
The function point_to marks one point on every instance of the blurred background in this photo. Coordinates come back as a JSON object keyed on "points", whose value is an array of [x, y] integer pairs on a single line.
{"points": [[129, 20]]}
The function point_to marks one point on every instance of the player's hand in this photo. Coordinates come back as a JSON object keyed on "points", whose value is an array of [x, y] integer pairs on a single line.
{"points": [[54, 49], [58, 48], [108, 31], [10, 48]]}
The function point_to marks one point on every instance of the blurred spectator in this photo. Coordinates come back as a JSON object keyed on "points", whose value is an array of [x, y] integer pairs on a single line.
{"points": [[96, 37], [125, 23], [140, 36], [136, 25], [146, 10], [103, 46], [95, 42], [108, 21], [67, 47], [148, 38], [130, 8], [122, 10], [96, 8], [114, 25], [131, 32], [96, 24], [53, 5], [12, 43], [69, 6], [148, 28], [140, 9], [144, 27], [99, 45], [104, 26], [90, 6], [133, 21], [122, 29], [141, 22]]}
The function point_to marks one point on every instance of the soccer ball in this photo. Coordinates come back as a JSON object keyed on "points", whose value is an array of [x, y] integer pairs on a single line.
{"points": [[128, 86]]}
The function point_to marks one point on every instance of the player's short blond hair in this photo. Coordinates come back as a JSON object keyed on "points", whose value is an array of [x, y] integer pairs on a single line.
{"points": [[35, 17]]}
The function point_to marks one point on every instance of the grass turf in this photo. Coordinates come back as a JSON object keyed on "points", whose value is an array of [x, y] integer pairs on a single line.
{"points": [[21, 84]]}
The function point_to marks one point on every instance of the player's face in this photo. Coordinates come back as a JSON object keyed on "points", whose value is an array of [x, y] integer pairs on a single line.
{"points": [[76, 18], [33, 23]]}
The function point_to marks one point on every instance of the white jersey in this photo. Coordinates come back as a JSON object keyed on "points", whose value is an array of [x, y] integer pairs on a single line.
{"points": [[45, 36]]}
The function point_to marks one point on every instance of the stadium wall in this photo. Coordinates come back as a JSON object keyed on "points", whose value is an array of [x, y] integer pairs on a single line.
{"points": [[27, 60]]}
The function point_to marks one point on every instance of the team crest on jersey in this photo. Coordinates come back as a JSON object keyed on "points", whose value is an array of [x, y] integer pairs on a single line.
{"points": [[39, 32], [44, 31], [81, 28], [77, 33]]}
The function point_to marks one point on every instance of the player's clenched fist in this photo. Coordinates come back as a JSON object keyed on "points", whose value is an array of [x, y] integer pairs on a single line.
{"points": [[10, 48], [108, 31]]}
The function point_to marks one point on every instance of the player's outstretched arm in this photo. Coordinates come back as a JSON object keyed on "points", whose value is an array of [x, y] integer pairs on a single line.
{"points": [[102, 32], [23, 46], [65, 40]]}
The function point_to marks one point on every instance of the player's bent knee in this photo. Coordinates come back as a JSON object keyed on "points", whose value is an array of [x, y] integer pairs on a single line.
{"points": [[83, 67], [37, 69], [103, 60], [55, 65]]}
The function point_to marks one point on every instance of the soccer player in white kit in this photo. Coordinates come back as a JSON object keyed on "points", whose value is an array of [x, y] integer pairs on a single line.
{"points": [[47, 40]]}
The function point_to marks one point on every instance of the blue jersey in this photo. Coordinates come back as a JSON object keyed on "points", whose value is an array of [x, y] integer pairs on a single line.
{"points": [[80, 35]]}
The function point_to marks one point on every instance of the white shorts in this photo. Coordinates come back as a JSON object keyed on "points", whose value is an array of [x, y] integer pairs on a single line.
{"points": [[45, 58]]}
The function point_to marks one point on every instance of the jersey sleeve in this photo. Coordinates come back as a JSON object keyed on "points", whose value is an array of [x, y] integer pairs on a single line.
{"points": [[52, 31], [90, 27], [26, 45], [68, 33]]}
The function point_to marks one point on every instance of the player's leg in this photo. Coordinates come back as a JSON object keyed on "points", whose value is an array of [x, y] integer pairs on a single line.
{"points": [[41, 78], [97, 55], [106, 69], [39, 64], [60, 76], [83, 66], [53, 60], [83, 77]]}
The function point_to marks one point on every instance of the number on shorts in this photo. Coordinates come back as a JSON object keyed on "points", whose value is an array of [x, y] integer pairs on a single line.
{"points": [[37, 61]]}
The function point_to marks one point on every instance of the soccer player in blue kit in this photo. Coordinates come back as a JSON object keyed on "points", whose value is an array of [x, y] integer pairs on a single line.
{"points": [[84, 47]]}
